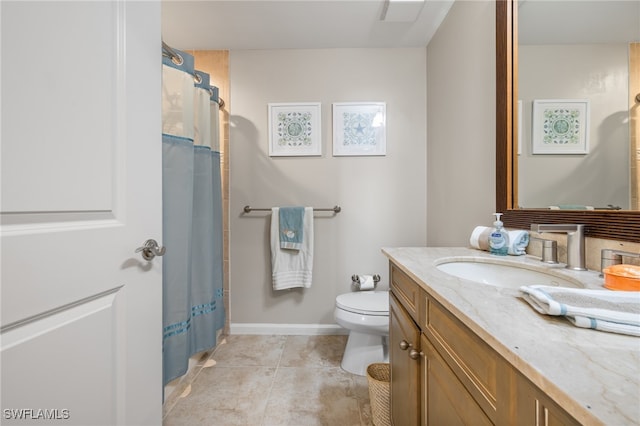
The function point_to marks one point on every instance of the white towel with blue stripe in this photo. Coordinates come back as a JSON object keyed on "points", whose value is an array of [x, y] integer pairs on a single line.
{"points": [[292, 268], [606, 310]]}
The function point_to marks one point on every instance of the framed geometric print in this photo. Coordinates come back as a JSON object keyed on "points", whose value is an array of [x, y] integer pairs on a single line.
{"points": [[359, 128], [560, 126], [295, 129]]}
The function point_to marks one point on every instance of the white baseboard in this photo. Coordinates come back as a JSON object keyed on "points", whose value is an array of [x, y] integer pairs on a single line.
{"points": [[287, 329]]}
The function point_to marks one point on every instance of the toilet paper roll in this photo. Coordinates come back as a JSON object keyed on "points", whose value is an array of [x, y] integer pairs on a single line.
{"points": [[366, 282]]}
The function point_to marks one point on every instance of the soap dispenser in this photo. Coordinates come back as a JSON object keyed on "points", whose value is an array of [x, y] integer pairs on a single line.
{"points": [[499, 238]]}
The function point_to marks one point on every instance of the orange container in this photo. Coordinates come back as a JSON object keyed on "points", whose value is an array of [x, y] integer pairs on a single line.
{"points": [[622, 277]]}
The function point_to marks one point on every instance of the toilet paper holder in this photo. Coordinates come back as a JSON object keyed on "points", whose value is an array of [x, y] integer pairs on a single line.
{"points": [[356, 280]]}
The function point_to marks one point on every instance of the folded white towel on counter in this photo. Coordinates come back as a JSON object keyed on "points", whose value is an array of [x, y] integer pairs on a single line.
{"points": [[518, 240], [480, 238], [292, 268], [606, 310]]}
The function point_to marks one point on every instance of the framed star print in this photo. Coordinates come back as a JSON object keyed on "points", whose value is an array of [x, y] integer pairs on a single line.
{"points": [[560, 126], [295, 129], [359, 128]]}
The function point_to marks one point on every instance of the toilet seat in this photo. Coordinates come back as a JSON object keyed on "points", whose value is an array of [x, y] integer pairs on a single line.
{"points": [[375, 303]]}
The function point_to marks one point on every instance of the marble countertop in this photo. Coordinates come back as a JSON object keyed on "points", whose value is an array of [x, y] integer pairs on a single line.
{"points": [[593, 375]]}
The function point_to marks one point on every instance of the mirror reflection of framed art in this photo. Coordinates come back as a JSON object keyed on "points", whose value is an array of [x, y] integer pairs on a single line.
{"points": [[560, 126]]}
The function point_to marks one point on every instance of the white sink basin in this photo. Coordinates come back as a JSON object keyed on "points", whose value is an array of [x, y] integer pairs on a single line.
{"points": [[504, 274]]}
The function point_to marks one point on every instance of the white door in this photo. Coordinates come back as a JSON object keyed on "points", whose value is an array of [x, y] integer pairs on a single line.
{"points": [[81, 190]]}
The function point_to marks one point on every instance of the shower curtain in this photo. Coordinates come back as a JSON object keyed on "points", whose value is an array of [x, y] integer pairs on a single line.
{"points": [[193, 309]]}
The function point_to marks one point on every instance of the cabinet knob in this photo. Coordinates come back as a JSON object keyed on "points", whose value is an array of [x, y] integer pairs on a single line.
{"points": [[413, 354], [404, 345]]}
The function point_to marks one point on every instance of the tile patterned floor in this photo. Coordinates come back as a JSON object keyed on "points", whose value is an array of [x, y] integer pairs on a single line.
{"points": [[274, 381]]}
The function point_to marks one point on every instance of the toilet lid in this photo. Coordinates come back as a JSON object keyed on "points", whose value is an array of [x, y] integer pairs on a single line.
{"points": [[365, 302]]}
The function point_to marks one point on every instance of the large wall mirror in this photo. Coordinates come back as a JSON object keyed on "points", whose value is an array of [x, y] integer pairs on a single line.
{"points": [[567, 117]]}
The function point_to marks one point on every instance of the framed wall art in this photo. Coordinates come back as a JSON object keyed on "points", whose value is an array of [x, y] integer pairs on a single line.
{"points": [[359, 128], [520, 113], [560, 126], [295, 129]]}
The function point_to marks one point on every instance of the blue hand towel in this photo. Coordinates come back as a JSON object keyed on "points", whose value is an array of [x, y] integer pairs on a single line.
{"points": [[518, 242], [291, 227]]}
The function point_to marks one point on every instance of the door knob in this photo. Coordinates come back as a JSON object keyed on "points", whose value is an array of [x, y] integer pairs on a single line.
{"points": [[414, 354], [151, 249], [404, 345]]}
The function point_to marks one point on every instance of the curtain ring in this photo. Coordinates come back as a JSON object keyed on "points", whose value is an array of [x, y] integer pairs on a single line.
{"points": [[177, 59], [197, 78]]}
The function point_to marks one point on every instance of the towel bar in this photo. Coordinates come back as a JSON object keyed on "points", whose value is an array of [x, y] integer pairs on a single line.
{"points": [[335, 209]]}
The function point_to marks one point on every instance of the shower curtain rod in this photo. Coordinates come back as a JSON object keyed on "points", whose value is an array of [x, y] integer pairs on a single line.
{"points": [[177, 59]]}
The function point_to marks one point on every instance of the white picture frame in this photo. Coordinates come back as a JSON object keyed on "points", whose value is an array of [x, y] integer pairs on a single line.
{"points": [[359, 128], [295, 129], [560, 126], [520, 113]]}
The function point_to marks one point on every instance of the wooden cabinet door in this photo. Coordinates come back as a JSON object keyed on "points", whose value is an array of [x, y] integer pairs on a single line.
{"points": [[446, 401], [404, 336], [534, 408]]}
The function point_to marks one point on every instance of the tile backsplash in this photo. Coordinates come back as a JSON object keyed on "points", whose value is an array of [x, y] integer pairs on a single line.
{"points": [[593, 246]]}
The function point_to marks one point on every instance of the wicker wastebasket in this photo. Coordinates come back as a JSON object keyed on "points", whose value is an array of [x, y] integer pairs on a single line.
{"points": [[379, 379]]}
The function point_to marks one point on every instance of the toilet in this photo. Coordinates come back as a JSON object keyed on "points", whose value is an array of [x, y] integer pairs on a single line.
{"points": [[366, 315]]}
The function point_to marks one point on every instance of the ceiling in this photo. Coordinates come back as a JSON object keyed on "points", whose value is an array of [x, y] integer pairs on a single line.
{"points": [[300, 24], [309, 24]]}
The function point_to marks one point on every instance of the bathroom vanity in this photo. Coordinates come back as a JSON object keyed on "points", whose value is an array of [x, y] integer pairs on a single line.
{"points": [[463, 352]]}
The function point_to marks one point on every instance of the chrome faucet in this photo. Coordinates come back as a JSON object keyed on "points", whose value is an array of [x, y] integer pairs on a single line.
{"points": [[575, 242], [549, 249], [609, 257]]}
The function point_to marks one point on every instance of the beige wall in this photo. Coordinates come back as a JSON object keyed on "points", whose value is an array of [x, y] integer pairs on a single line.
{"points": [[383, 199], [461, 122]]}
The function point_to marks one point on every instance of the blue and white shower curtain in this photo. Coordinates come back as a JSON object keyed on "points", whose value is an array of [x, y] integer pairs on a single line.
{"points": [[193, 309]]}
